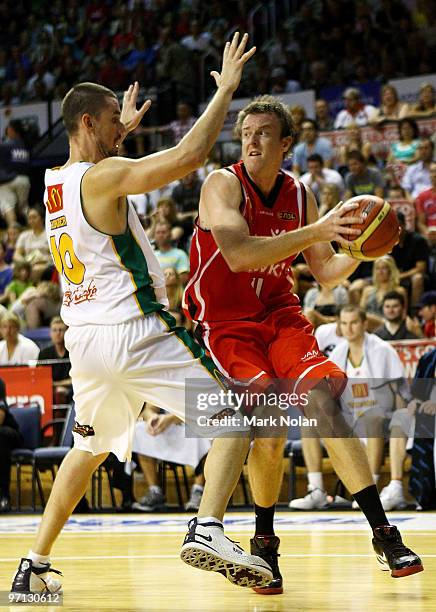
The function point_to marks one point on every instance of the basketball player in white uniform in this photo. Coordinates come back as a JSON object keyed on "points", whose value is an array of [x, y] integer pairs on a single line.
{"points": [[123, 344]]}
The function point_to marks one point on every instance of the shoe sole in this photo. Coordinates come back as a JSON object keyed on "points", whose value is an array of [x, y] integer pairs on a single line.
{"points": [[399, 573], [236, 573], [268, 590]]}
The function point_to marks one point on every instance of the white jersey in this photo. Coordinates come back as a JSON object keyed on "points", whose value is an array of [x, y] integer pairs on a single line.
{"points": [[106, 279]]}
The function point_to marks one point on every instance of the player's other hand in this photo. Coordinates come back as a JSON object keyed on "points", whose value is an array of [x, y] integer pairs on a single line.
{"points": [[335, 226], [130, 116], [234, 59]]}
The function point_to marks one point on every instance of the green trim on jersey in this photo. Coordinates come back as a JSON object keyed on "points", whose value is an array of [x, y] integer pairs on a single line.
{"points": [[133, 259], [193, 347]]}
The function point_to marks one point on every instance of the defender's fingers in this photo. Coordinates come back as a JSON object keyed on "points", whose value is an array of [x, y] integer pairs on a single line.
{"points": [[248, 54]]}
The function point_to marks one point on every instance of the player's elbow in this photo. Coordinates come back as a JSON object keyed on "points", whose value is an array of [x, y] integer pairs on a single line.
{"points": [[236, 263]]}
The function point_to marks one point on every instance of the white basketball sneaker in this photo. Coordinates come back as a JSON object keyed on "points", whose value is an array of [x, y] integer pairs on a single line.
{"points": [[316, 499], [207, 548], [392, 497], [30, 579]]}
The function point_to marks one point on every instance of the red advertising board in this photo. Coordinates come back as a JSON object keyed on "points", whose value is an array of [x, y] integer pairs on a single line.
{"points": [[30, 384], [410, 351]]}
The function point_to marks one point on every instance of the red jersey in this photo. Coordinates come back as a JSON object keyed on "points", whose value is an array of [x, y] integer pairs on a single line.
{"points": [[215, 293]]}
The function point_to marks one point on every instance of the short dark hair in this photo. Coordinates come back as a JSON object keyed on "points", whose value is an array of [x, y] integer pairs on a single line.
{"points": [[413, 125], [266, 104], [83, 98], [312, 122], [316, 157], [394, 295], [357, 155]]}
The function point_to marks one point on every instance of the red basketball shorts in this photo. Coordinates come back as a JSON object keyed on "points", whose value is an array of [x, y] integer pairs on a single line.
{"points": [[281, 346]]}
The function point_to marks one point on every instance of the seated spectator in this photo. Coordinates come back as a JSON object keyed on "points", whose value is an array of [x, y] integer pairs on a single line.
{"points": [[14, 182], [310, 144], [6, 273], [21, 281], [177, 128], [425, 204], [323, 117], [321, 304], [394, 319], [174, 290], [167, 255], [329, 197], [280, 83], [298, 114], [32, 244], [411, 255], [10, 242], [385, 278], [198, 40], [422, 472], [62, 386], [354, 143], [10, 438], [405, 150], [186, 195], [161, 436], [15, 349], [166, 213], [427, 312], [391, 108], [361, 356], [417, 176], [41, 304], [426, 105], [362, 180], [355, 110], [317, 176]]}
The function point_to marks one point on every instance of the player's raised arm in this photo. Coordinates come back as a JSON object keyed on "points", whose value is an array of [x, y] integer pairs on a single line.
{"points": [[121, 176], [219, 211]]}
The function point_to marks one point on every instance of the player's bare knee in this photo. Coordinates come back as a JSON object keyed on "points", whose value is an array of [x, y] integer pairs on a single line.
{"points": [[270, 446]]}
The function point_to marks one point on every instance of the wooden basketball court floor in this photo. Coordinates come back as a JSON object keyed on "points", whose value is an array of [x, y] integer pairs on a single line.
{"points": [[131, 562]]}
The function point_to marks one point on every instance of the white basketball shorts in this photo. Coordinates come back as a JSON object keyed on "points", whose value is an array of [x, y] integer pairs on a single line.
{"points": [[117, 368]]}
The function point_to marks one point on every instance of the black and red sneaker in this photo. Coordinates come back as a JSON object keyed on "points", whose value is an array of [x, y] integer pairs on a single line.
{"points": [[267, 548], [392, 554]]}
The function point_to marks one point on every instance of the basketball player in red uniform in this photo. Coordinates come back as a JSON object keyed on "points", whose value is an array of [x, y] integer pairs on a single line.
{"points": [[253, 220]]}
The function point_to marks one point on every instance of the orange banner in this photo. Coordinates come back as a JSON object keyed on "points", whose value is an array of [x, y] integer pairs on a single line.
{"points": [[30, 384], [410, 352]]}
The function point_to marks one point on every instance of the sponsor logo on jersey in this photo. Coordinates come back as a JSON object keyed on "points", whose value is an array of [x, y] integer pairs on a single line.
{"points": [[55, 201], [288, 216], [266, 212], [277, 232], [310, 354], [58, 222], [80, 295], [83, 430]]}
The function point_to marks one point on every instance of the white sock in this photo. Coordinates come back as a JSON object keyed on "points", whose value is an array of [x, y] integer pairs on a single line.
{"points": [[397, 484], [155, 489], [376, 478], [315, 480], [38, 560], [197, 487], [208, 519]]}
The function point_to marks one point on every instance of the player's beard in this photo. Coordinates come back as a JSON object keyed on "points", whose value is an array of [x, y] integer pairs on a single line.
{"points": [[105, 152]]}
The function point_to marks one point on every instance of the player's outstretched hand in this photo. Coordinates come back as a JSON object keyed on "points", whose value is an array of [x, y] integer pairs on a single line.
{"points": [[234, 59], [334, 226], [130, 116]]}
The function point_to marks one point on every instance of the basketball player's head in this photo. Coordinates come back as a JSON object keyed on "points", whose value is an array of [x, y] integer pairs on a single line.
{"points": [[352, 323], [265, 130], [91, 115]]}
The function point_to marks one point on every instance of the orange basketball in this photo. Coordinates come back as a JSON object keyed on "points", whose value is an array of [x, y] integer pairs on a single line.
{"points": [[380, 229]]}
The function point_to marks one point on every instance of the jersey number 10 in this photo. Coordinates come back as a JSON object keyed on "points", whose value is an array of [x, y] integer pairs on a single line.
{"points": [[65, 259]]}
